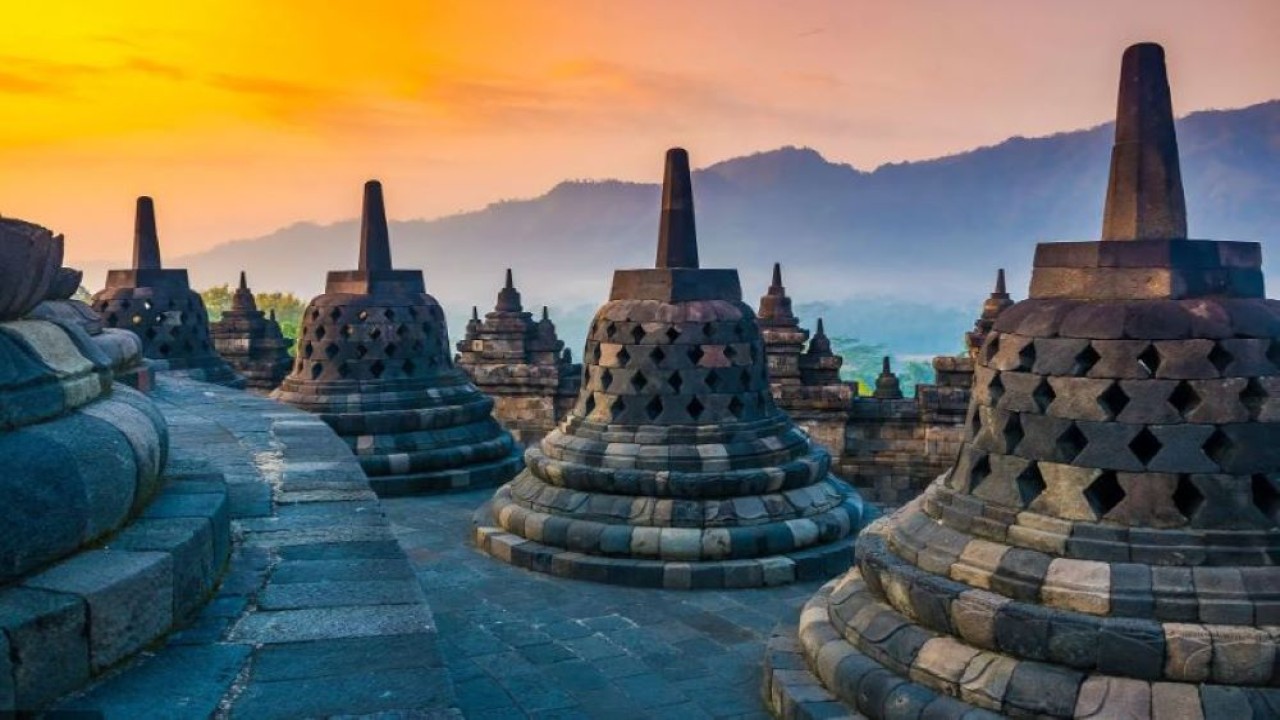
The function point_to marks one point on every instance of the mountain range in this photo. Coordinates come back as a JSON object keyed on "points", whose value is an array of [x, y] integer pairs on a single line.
{"points": [[900, 255]]}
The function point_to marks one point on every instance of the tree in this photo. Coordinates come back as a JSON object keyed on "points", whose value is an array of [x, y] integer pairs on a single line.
{"points": [[287, 306]]}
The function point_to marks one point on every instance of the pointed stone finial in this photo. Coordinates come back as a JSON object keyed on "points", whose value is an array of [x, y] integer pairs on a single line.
{"points": [[146, 243], [777, 277], [887, 385], [242, 299], [510, 284], [508, 296], [375, 240], [677, 235], [546, 316], [1000, 287], [244, 284], [1144, 195], [821, 331], [884, 366], [475, 313]]}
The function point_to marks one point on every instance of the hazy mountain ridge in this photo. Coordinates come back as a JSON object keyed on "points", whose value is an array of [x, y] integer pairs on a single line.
{"points": [[928, 233]]}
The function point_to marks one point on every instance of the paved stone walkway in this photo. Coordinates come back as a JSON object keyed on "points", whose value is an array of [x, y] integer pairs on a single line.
{"points": [[319, 613], [523, 644]]}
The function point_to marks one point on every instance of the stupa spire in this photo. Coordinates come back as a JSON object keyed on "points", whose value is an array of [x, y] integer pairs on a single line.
{"points": [[508, 296], [777, 278], [1144, 194], [146, 243], [510, 283], [244, 284], [375, 241], [1000, 286], [677, 235]]}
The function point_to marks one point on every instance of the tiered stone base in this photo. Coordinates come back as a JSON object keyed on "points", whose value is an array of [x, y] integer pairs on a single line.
{"points": [[896, 639], [449, 442]]}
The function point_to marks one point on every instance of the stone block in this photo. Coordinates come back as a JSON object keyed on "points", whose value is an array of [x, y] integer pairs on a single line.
{"points": [[190, 542], [1079, 585], [129, 597], [48, 647], [1043, 689], [1133, 648], [1175, 701], [1241, 655], [1190, 652], [1111, 697]]}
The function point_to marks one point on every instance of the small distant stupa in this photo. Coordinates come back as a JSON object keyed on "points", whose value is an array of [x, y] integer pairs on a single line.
{"points": [[251, 342]]}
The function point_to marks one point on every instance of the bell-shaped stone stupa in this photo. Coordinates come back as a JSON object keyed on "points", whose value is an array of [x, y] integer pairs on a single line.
{"points": [[675, 469], [251, 342], [373, 360], [159, 305], [1106, 542]]}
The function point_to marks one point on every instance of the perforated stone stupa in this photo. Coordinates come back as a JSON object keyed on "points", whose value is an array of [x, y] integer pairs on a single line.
{"points": [[374, 362], [675, 469], [522, 364], [251, 342], [1106, 542], [158, 305]]}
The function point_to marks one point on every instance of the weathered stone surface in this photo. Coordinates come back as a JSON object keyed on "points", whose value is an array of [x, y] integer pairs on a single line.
{"points": [[48, 644]]}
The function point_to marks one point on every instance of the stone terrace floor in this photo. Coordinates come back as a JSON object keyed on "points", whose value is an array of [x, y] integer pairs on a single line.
{"points": [[523, 644], [319, 613]]}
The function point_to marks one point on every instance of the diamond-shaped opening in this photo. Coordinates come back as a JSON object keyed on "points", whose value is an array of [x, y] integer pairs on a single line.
{"points": [[1253, 397], [595, 354], [638, 334], [361, 350], [1044, 395], [995, 388], [320, 332], [1071, 443], [696, 354], [589, 405], [736, 406], [639, 382], [654, 408], [1187, 497], [1184, 398], [606, 379], [610, 330], [673, 334], [390, 314], [146, 304], [125, 304], [713, 379], [307, 350], [616, 408], [729, 352], [173, 304], [695, 408], [675, 381], [375, 333], [1113, 400], [975, 419], [315, 314], [377, 368], [708, 329], [364, 315], [624, 357], [1220, 357], [402, 330], [1219, 448], [136, 319], [344, 370], [1104, 494], [317, 369], [413, 313], [331, 350], [740, 329], [112, 319], [391, 349], [151, 333], [408, 367], [744, 377], [658, 355], [164, 348], [1027, 356], [347, 331], [335, 313], [1266, 496], [1030, 484], [981, 471], [1145, 445], [1012, 433], [426, 329], [992, 348], [1149, 359]]}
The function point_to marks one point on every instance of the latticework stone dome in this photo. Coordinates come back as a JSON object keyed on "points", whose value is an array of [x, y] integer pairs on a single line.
{"points": [[1106, 543], [373, 360], [159, 306], [675, 468]]}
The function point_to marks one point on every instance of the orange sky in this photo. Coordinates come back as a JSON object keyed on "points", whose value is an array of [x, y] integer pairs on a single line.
{"points": [[240, 116]]}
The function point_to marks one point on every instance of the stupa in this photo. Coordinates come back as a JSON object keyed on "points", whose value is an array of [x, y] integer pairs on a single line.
{"points": [[522, 364], [997, 302], [819, 365], [373, 362], [675, 469], [784, 339], [251, 342], [1106, 543], [159, 306]]}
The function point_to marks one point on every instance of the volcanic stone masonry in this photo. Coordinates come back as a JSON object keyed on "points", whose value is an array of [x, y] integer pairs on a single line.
{"points": [[83, 462], [1106, 542], [522, 365], [251, 342], [158, 305], [373, 362], [675, 468]]}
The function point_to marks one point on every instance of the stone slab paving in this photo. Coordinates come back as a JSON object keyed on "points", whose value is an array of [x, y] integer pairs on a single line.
{"points": [[319, 613], [524, 644]]}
